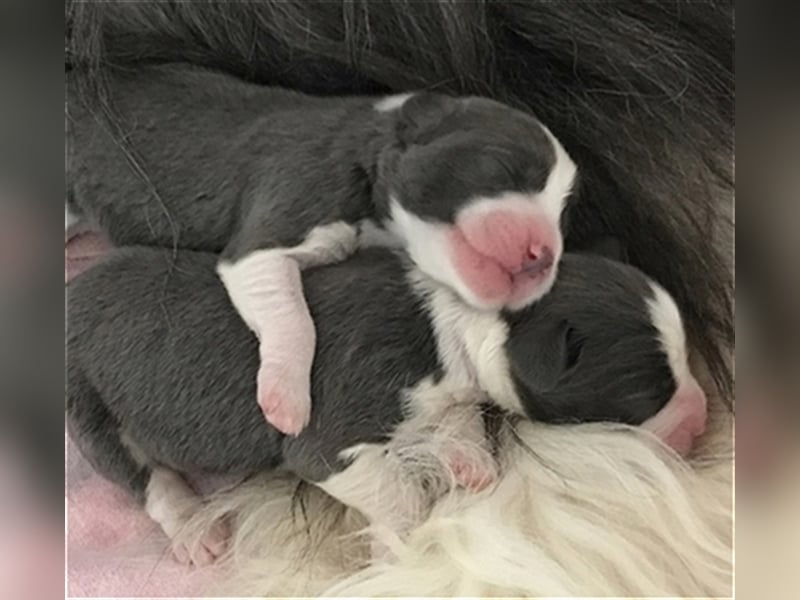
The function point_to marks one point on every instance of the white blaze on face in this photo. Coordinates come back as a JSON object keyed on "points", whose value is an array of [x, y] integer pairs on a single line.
{"points": [[666, 318], [426, 244], [559, 181], [683, 418]]}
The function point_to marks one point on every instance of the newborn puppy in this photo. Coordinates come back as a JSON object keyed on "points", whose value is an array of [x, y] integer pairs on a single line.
{"points": [[160, 374], [276, 181]]}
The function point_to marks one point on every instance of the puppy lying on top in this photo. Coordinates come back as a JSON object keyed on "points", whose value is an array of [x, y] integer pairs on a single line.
{"points": [[276, 181], [161, 377]]}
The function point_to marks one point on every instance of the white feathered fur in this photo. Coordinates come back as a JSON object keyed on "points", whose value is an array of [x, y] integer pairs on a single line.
{"points": [[589, 510]]}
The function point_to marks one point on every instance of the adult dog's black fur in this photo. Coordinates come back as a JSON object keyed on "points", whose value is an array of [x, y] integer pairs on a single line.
{"points": [[640, 93]]}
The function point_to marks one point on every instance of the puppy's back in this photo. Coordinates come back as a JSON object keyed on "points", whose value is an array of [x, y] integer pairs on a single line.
{"points": [[157, 339]]}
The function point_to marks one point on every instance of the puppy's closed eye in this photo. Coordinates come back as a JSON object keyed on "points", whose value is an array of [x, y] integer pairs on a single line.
{"points": [[542, 355], [574, 346]]}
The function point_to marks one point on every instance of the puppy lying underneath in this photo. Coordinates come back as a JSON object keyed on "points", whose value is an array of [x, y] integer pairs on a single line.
{"points": [[160, 376]]}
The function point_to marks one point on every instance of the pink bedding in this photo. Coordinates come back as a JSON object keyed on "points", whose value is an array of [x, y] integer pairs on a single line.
{"points": [[113, 549]]}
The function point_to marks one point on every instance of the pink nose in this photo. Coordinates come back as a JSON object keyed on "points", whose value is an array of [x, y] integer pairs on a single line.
{"points": [[537, 260], [515, 242]]}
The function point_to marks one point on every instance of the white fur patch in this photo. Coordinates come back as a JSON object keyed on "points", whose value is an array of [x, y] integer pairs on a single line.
{"points": [[581, 511], [170, 502], [470, 343], [267, 275], [325, 245], [617, 521], [666, 317], [260, 283], [381, 487], [560, 180], [394, 484], [392, 102], [426, 244], [372, 235], [266, 289]]}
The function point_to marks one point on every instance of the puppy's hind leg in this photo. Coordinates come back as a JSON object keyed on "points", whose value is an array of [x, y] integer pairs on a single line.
{"points": [[170, 502], [389, 492], [96, 434], [167, 499], [466, 447], [453, 421]]}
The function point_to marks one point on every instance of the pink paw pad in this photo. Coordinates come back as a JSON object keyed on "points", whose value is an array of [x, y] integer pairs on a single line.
{"points": [[211, 546], [286, 404], [472, 473]]}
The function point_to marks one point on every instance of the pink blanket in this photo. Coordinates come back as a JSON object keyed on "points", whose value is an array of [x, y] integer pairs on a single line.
{"points": [[113, 548]]}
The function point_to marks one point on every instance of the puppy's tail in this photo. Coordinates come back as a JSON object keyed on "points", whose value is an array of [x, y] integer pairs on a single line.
{"points": [[640, 93]]}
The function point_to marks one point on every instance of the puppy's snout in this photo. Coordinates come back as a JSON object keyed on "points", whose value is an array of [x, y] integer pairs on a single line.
{"points": [[506, 256], [517, 241], [682, 419], [537, 260]]}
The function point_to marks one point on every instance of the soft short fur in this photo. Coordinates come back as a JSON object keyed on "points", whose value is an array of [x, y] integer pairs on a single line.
{"points": [[159, 378], [276, 180], [641, 94], [239, 168], [155, 349]]}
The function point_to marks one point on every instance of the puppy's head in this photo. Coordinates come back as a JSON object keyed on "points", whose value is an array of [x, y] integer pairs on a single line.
{"points": [[606, 344], [476, 190]]}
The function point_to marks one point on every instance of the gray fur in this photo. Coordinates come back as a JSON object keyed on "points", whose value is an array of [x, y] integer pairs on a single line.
{"points": [[599, 357], [224, 157], [216, 164], [165, 360], [174, 365]]}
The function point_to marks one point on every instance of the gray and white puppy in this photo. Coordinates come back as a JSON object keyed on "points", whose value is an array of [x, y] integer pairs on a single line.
{"points": [[275, 180], [161, 374]]}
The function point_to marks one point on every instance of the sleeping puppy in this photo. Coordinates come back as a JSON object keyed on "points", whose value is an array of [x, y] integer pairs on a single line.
{"points": [[276, 181], [160, 376]]}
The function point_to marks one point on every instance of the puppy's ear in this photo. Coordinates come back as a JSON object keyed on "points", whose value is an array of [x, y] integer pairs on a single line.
{"points": [[539, 353], [421, 117], [608, 246]]}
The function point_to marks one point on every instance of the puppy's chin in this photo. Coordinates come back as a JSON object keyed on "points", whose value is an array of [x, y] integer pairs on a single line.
{"points": [[526, 292], [488, 285], [512, 292]]}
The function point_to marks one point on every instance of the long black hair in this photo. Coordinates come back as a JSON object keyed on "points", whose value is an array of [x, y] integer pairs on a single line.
{"points": [[639, 92]]}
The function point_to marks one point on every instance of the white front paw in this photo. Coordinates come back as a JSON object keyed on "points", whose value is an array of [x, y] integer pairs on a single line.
{"points": [[332, 243]]}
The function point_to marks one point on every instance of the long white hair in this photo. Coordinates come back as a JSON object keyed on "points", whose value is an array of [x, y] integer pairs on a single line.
{"points": [[585, 510]]}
